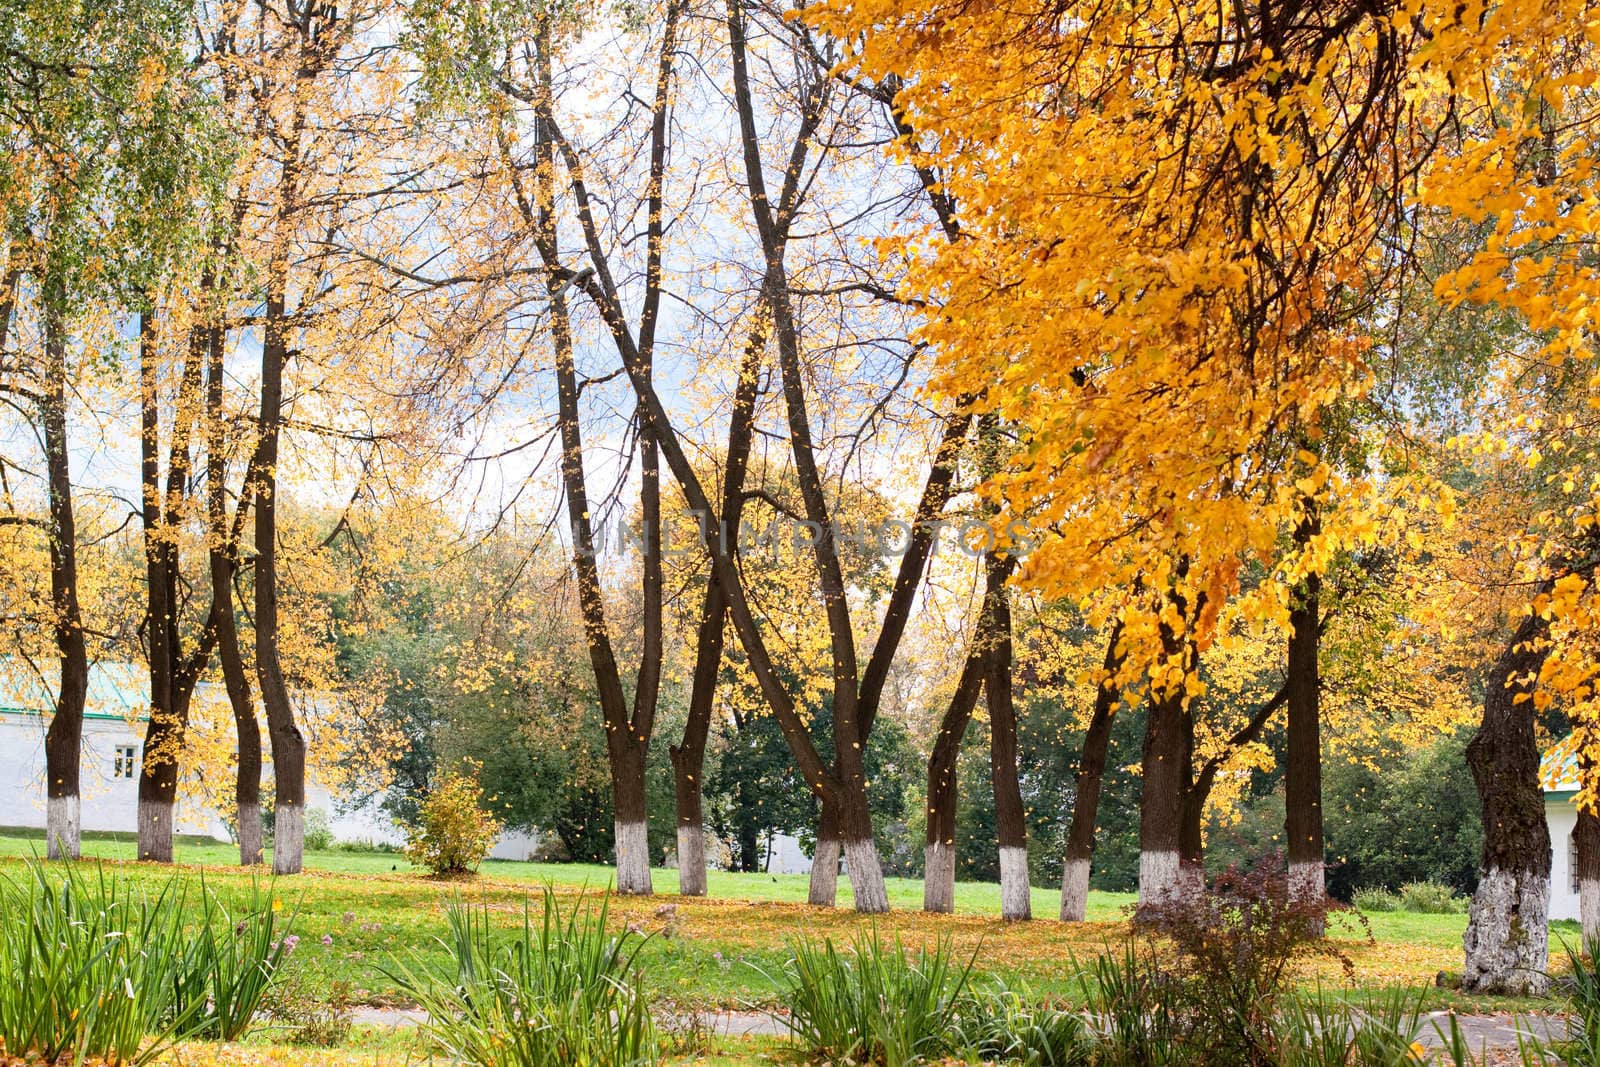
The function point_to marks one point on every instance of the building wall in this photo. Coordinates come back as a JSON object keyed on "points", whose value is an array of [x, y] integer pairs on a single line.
{"points": [[1563, 819], [109, 802]]}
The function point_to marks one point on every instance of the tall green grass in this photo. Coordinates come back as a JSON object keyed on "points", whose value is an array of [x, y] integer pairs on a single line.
{"points": [[94, 967], [874, 1002], [559, 992]]}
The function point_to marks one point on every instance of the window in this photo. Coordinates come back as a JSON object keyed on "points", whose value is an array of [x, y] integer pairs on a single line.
{"points": [[123, 762], [1572, 858]]}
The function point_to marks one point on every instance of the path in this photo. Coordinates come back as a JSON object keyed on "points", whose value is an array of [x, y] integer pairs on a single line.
{"points": [[1482, 1031]]}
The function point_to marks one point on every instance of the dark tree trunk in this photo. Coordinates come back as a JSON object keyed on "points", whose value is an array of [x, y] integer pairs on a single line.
{"points": [[1508, 933], [1303, 769], [1167, 765], [824, 882], [1011, 817], [223, 559], [63, 742], [689, 756], [939, 857], [288, 744], [1091, 777]]}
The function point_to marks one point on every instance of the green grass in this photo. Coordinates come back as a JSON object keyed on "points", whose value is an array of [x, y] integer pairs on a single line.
{"points": [[719, 950]]}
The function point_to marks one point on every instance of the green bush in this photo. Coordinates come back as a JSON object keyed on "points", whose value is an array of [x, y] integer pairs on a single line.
{"points": [[561, 992], [453, 833], [318, 834], [92, 967], [874, 1003], [1375, 900], [1431, 898]]}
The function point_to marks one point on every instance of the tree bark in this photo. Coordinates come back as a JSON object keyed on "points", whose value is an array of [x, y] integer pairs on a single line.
{"points": [[223, 558], [1168, 760], [63, 742], [1507, 939], [1586, 836], [824, 882], [1011, 818], [1091, 777], [939, 856], [1303, 764]]}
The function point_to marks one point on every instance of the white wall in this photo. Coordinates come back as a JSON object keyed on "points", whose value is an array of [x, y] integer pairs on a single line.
{"points": [[1562, 818]]}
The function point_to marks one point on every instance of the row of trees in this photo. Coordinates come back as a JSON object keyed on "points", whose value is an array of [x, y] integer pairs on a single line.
{"points": [[1244, 352]]}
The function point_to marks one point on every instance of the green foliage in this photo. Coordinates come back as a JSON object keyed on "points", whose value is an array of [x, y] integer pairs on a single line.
{"points": [[873, 1003], [315, 1015], [1431, 898], [1376, 900], [1416, 820], [92, 967], [1005, 1025], [453, 833], [562, 993], [318, 834]]}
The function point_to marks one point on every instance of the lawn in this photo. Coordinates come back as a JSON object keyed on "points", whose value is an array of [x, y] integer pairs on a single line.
{"points": [[355, 912]]}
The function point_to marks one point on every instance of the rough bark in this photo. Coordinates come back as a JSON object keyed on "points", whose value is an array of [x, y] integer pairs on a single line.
{"points": [[63, 742], [1303, 763], [1167, 756], [1079, 857], [823, 886], [1586, 835], [1011, 818], [1507, 938], [939, 875]]}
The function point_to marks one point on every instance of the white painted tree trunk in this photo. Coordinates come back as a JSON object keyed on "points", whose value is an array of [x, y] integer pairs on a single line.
{"points": [[1075, 891], [939, 877], [288, 838], [1158, 877], [1589, 913], [824, 873], [866, 877], [63, 828], [691, 860], [249, 834], [155, 830], [1508, 935], [633, 858], [1016, 891]]}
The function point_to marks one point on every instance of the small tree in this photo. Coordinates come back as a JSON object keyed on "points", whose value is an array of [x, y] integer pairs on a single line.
{"points": [[453, 833]]}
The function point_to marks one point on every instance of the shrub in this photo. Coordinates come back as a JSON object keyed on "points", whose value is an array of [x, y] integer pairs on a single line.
{"points": [[1237, 943], [314, 1015], [94, 968], [874, 1003], [1431, 898], [1375, 900], [562, 992], [452, 833], [318, 834]]}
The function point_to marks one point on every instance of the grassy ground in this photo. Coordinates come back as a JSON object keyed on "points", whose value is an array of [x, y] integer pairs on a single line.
{"points": [[357, 912]]}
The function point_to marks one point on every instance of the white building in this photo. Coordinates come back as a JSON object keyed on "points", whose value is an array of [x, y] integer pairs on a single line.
{"points": [[113, 745], [1561, 814]]}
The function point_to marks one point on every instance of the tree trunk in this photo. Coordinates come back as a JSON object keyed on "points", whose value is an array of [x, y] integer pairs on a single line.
{"points": [[632, 826], [1303, 765], [1507, 939], [861, 854], [63, 742], [1168, 741], [939, 857], [1011, 819], [1587, 837], [1091, 777], [288, 744], [163, 739], [825, 860]]}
